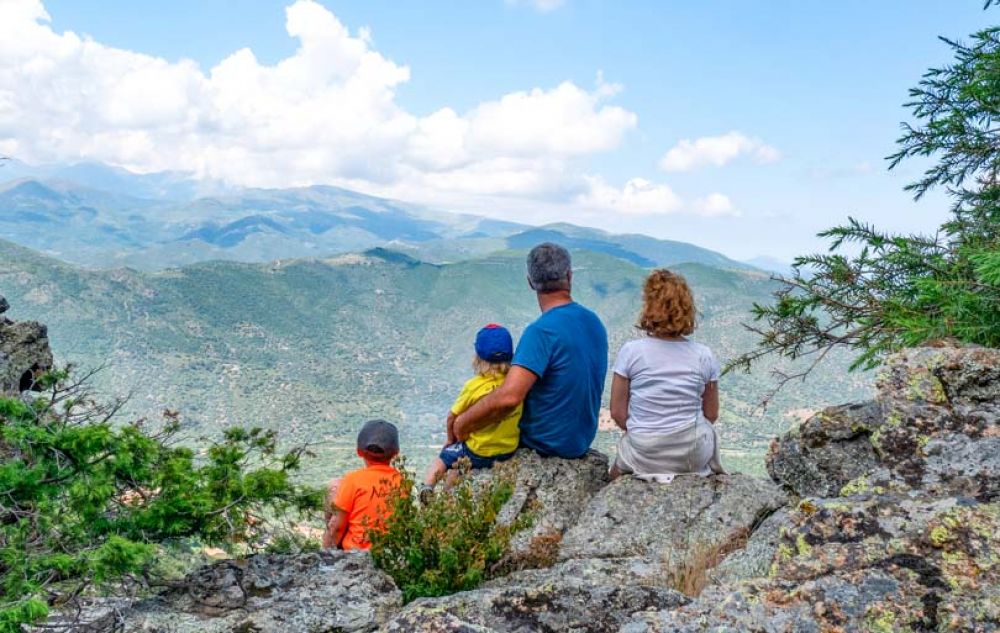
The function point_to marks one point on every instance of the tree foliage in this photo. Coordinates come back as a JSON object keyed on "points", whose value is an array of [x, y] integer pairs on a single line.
{"points": [[450, 543], [875, 292], [85, 503]]}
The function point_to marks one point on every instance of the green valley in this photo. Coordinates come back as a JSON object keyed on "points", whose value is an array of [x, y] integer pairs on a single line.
{"points": [[312, 347]]}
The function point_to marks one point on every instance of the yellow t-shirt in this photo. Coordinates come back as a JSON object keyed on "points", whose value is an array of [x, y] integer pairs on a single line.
{"points": [[498, 438]]}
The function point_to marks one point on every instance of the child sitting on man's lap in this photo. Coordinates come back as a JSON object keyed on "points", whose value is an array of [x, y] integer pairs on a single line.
{"points": [[493, 443]]}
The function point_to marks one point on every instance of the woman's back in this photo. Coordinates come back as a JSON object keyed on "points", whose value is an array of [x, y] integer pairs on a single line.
{"points": [[667, 380]]}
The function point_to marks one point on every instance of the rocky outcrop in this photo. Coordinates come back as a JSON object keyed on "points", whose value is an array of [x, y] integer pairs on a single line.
{"points": [[932, 428], [586, 596], [691, 516], [827, 451], [882, 516], [324, 591], [554, 492], [24, 352], [908, 542]]}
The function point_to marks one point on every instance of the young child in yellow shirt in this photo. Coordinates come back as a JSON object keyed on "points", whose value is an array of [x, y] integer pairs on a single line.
{"points": [[498, 441]]}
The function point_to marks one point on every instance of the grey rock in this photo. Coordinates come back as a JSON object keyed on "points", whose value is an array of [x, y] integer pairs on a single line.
{"points": [[553, 491], [584, 596], [833, 603], [691, 518], [592, 572], [827, 451], [90, 615], [754, 560], [933, 427], [4, 306], [324, 591], [24, 354]]}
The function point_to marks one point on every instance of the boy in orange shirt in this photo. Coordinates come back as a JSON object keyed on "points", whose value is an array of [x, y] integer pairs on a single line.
{"points": [[357, 502]]}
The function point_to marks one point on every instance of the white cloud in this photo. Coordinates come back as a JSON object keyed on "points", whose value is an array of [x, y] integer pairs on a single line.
{"points": [[326, 114], [715, 205], [716, 151], [539, 5], [637, 196]]}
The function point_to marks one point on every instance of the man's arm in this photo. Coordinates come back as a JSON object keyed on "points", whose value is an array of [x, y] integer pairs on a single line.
{"points": [[335, 529], [619, 400], [497, 405]]}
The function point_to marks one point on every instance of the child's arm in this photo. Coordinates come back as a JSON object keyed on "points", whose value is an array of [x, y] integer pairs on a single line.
{"points": [[335, 529], [451, 429]]}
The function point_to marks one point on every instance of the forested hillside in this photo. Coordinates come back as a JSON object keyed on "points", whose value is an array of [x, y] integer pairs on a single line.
{"points": [[313, 346]]}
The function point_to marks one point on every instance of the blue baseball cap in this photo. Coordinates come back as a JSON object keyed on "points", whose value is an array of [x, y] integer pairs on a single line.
{"points": [[494, 344]]}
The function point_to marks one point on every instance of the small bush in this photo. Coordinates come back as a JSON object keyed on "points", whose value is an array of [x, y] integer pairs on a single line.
{"points": [[451, 543], [87, 503]]}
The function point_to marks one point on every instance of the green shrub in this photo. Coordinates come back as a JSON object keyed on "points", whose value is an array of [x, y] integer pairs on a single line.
{"points": [[87, 503], [451, 543]]}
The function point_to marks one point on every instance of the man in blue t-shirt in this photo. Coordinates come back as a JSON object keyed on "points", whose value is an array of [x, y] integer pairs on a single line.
{"points": [[558, 368]]}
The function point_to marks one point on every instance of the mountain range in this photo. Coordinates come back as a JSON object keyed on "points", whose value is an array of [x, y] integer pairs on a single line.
{"points": [[99, 216], [309, 310]]}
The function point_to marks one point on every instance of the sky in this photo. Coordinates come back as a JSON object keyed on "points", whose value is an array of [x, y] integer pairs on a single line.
{"points": [[746, 127]]}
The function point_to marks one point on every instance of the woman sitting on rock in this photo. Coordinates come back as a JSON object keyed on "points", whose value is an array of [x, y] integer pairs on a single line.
{"points": [[665, 390]]}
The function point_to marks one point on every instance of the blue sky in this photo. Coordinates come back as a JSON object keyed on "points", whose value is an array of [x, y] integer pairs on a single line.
{"points": [[803, 101]]}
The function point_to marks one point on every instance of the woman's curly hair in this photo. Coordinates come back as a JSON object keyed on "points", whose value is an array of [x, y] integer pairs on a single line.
{"points": [[667, 305]]}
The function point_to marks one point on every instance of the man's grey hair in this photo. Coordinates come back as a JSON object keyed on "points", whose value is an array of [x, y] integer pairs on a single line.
{"points": [[549, 268]]}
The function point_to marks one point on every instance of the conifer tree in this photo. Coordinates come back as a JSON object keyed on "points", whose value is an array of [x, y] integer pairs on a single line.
{"points": [[85, 502], [876, 292]]}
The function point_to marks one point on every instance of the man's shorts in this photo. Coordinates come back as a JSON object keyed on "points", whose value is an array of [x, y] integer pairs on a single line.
{"points": [[454, 452]]}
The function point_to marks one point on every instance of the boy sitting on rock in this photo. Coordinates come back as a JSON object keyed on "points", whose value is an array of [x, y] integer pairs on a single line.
{"points": [[495, 442], [356, 503]]}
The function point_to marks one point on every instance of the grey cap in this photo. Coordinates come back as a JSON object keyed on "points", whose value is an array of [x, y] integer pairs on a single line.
{"points": [[379, 438]]}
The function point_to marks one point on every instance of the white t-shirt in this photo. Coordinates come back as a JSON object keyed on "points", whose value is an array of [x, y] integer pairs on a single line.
{"points": [[668, 379]]}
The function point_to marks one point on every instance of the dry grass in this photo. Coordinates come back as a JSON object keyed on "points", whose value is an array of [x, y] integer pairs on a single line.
{"points": [[687, 569], [542, 552]]}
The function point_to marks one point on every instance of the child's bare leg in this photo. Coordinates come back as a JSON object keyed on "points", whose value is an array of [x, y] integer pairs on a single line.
{"points": [[451, 479], [435, 472], [331, 494]]}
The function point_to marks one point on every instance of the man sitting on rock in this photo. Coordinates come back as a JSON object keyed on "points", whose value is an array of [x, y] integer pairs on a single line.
{"points": [[558, 368]]}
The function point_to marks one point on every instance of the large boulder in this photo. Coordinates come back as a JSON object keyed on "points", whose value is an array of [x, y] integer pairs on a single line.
{"points": [[324, 591], [932, 428], [24, 353], [888, 563], [827, 451], [691, 518], [591, 596], [907, 543], [553, 492]]}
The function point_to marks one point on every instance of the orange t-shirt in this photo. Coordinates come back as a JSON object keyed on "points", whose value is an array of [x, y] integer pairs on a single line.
{"points": [[362, 495]]}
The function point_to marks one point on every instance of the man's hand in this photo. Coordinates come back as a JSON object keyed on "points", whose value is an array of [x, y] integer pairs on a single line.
{"points": [[497, 405]]}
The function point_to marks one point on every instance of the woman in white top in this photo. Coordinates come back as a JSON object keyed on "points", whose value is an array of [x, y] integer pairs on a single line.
{"points": [[665, 390]]}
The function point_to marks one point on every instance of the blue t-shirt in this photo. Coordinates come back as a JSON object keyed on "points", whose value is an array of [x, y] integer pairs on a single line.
{"points": [[567, 348]]}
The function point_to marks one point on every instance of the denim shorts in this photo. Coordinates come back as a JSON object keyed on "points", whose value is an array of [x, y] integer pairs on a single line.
{"points": [[454, 452]]}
